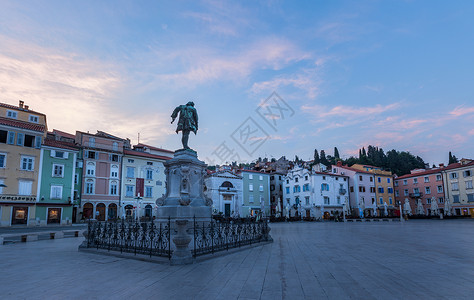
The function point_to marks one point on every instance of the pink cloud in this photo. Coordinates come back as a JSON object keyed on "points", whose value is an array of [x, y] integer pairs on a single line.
{"points": [[461, 110]]}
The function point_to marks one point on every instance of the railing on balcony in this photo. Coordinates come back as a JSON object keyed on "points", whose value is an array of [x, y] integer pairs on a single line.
{"points": [[342, 191], [416, 195]]}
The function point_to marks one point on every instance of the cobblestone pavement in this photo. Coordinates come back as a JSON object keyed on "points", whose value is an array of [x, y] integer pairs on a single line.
{"points": [[422, 259]]}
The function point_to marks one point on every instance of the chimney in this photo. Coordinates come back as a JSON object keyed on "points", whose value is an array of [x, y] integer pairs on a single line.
{"points": [[339, 163], [441, 165], [21, 103], [26, 107]]}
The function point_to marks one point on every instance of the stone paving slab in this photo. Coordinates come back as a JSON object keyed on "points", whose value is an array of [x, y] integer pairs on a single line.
{"points": [[420, 259]]}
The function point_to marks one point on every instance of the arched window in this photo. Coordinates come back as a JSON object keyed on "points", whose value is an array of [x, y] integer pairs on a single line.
{"points": [[227, 184]]}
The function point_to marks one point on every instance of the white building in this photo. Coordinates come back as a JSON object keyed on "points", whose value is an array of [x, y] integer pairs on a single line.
{"points": [[225, 190], [143, 182], [315, 194]]}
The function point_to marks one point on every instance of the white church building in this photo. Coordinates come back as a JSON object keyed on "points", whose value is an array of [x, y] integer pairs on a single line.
{"points": [[225, 190]]}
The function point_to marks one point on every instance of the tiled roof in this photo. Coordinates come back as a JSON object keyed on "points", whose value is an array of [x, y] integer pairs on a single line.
{"points": [[140, 145], [353, 169], [144, 154], [20, 109], [458, 165], [427, 172], [65, 134], [59, 144], [21, 124], [253, 171]]}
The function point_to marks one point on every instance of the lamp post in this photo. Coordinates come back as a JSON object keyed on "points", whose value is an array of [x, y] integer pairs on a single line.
{"points": [[344, 212], [138, 198]]}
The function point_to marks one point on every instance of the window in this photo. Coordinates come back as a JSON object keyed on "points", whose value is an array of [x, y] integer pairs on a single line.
{"points": [[379, 179], [324, 177], [455, 198], [113, 188], [438, 177], [416, 190], [405, 182], [397, 193], [427, 179], [56, 192], [326, 200], [12, 114], [334, 170], [362, 189], [381, 190], [3, 160], [2, 183], [296, 189], [20, 139], [91, 154], [427, 190], [113, 157], [260, 177], [453, 175], [428, 201], [390, 190], [149, 163], [27, 163], [467, 173], [287, 190], [415, 180], [454, 186], [261, 188], [130, 172], [89, 187], [296, 179], [272, 177], [59, 154], [371, 179], [287, 181], [351, 189], [115, 146], [251, 177], [338, 199], [306, 187], [148, 191], [37, 142], [360, 178], [129, 191], [250, 198], [405, 192], [469, 184], [388, 180], [90, 169], [306, 200], [91, 142], [279, 177], [149, 174], [33, 119], [440, 188], [324, 187], [395, 183], [381, 200], [272, 187], [372, 189], [58, 170], [76, 178], [11, 138], [24, 187], [470, 197], [114, 171], [131, 161], [306, 177], [441, 200], [251, 187]]}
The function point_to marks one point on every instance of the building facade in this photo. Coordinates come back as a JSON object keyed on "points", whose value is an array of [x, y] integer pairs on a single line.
{"points": [[361, 190], [225, 190], [57, 169], [458, 186], [21, 134], [276, 192], [143, 182], [255, 193], [102, 155], [415, 191]]}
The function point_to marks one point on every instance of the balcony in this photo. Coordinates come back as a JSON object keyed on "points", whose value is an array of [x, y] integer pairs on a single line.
{"points": [[342, 191], [416, 195]]}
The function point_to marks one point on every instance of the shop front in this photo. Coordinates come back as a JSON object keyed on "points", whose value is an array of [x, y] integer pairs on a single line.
{"points": [[20, 215]]}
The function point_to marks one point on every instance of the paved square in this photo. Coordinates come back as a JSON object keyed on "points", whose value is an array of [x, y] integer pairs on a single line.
{"points": [[411, 260]]}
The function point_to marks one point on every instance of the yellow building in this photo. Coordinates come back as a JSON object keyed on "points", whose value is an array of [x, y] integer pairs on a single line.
{"points": [[384, 194], [21, 133]]}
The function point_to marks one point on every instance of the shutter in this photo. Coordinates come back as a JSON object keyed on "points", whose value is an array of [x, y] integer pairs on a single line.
{"points": [[140, 183], [53, 153], [66, 154]]}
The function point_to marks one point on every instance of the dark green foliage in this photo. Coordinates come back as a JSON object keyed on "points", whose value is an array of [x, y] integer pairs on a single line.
{"points": [[452, 159], [336, 153], [399, 163], [316, 157], [323, 159]]}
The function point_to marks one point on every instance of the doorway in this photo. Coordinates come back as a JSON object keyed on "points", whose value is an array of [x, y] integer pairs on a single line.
{"points": [[54, 216], [227, 210], [20, 215]]}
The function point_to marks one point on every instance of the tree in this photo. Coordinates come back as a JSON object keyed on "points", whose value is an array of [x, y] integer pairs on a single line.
{"points": [[324, 159], [452, 159], [316, 157], [336, 153]]}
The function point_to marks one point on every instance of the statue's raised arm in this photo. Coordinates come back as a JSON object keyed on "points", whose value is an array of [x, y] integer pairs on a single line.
{"points": [[187, 122]]}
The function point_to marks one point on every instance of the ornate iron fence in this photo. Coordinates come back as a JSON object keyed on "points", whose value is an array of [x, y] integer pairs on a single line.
{"points": [[149, 238], [213, 236]]}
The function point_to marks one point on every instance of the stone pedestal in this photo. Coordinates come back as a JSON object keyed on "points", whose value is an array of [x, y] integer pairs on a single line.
{"points": [[182, 254], [184, 198]]}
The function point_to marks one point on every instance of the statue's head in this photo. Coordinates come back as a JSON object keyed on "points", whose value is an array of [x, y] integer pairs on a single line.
{"points": [[190, 103]]}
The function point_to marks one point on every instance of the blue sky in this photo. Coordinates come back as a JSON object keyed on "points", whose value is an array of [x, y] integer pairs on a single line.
{"points": [[395, 74]]}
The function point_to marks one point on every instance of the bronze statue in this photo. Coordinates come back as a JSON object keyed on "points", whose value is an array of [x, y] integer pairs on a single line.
{"points": [[187, 122]]}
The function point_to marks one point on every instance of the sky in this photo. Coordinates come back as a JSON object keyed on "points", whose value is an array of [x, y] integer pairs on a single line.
{"points": [[268, 78]]}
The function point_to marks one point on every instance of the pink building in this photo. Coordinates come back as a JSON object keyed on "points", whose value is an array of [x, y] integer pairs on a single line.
{"points": [[420, 186], [102, 155], [361, 190]]}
